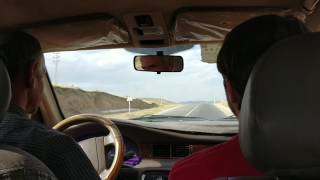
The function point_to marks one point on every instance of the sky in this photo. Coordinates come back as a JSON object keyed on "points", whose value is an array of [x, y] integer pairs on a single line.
{"points": [[112, 71]]}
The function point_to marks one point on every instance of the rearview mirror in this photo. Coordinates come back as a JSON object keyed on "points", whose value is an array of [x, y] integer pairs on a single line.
{"points": [[158, 63]]}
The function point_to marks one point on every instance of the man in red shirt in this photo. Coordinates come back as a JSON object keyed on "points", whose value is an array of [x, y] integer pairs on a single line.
{"points": [[242, 48]]}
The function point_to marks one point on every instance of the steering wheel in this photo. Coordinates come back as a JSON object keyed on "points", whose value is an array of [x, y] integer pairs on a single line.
{"points": [[114, 138]]}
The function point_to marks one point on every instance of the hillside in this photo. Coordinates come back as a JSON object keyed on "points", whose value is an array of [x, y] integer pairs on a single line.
{"points": [[157, 101], [75, 101]]}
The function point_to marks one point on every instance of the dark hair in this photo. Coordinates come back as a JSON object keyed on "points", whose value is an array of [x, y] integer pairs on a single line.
{"points": [[19, 50], [247, 42]]}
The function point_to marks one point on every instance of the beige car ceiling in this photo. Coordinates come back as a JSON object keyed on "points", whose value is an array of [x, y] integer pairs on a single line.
{"points": [[200, 21]]}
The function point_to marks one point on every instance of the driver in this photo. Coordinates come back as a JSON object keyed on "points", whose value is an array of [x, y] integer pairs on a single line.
{"points": [[241, 49], [24, 60]]}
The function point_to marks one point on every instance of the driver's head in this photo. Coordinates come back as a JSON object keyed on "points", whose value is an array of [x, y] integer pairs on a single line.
{"points": [[244, 45], [23, 58]]}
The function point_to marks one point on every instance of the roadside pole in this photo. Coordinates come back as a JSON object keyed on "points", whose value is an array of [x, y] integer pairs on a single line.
{"points": [[129, 99], [129, 106], [56, 62]]}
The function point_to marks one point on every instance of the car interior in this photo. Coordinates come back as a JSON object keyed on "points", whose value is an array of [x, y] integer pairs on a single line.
{"points": [[277, 129]]}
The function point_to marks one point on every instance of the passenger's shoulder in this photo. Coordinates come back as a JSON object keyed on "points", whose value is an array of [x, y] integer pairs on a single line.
{"points": [[57, 137], [58, 143], [47, 133], [52, 137]]}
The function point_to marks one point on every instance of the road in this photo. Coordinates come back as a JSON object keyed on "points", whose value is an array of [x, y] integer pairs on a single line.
{"points": [[203, 110]]}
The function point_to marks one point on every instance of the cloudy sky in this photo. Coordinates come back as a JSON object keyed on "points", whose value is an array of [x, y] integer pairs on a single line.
{"points": [[112, 71]]}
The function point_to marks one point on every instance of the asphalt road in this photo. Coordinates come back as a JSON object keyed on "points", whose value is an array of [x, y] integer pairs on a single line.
{"points": [[204, 110]]}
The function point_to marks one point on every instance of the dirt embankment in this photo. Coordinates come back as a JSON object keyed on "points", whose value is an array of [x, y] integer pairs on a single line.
{"points": [[224, 107], [76, 101], [158, 101]]}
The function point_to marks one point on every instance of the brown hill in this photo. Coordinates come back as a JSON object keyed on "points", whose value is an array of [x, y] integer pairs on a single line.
{"points": [[76, 101], [158, 101]]}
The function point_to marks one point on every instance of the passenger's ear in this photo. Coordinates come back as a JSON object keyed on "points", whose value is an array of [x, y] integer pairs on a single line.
{"points": [[32, 75], [232, 97]]}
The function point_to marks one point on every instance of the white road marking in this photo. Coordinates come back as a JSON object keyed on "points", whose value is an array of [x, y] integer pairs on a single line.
{"points": [[192, 110], [162, 112]]}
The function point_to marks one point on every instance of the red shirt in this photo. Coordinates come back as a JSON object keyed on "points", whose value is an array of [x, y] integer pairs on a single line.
{"points": [[224, 160]]}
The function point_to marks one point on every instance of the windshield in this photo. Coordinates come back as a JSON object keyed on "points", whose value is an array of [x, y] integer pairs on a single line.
{"points": [[105, 82]]}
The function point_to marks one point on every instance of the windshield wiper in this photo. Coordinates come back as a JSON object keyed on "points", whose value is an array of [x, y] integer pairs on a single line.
{"points": [[159, 118], [230, 118]]}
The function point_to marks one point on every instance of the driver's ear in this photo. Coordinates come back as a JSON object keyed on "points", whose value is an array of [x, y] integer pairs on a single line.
{"points": [[232, 97], [32, 74]]}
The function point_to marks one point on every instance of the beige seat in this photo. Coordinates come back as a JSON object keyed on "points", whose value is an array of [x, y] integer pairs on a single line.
{"points": [[279, 123], [280, 112]]}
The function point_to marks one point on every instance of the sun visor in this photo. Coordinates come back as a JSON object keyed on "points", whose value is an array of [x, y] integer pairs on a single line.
{"points": [[80, 34], [212, 26], [209, 52]]}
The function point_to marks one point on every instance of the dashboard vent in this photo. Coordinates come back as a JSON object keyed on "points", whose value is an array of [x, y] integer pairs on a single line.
{"points": [[180, 150], [161, 150], [170, 151], [155, 175]]}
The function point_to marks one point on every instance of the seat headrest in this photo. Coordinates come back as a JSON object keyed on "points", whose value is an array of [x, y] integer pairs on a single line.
{"points": [[5, 90], [280, 112]]}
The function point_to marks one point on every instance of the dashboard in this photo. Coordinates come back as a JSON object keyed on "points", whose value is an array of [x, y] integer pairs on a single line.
{"points": [[150, 153], [158, 150], [135, 153], [152, 161]]}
